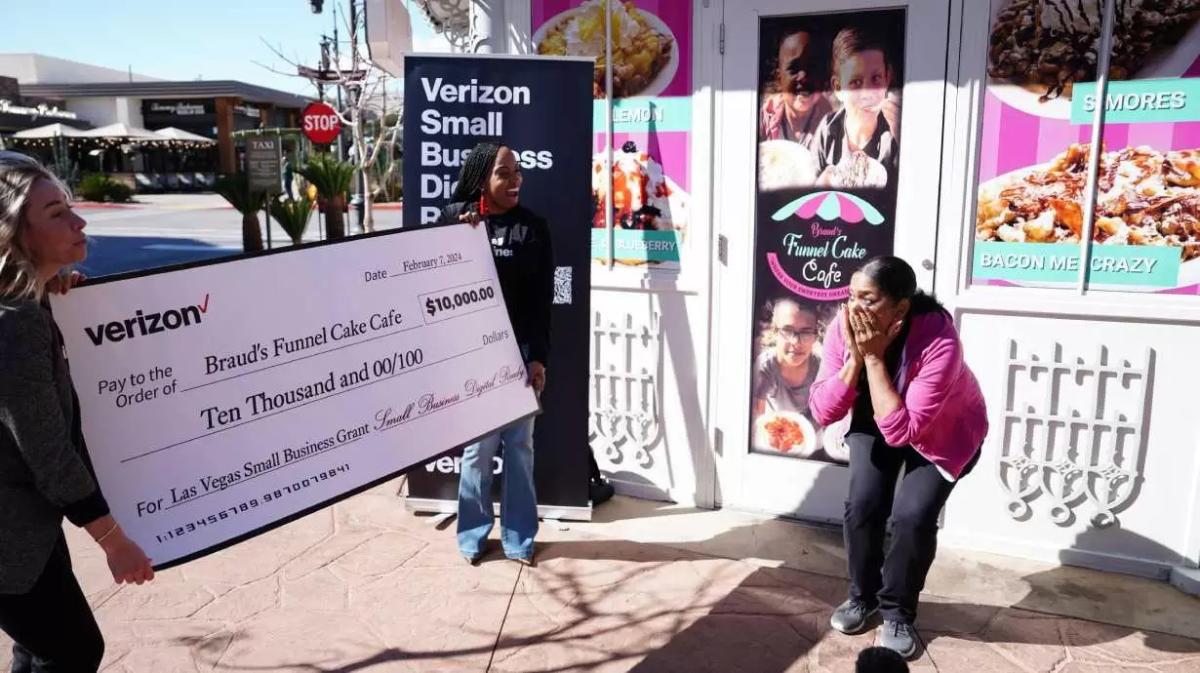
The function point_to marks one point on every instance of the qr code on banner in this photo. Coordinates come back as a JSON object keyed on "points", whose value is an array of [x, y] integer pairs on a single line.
{"points": [[562, 285]]}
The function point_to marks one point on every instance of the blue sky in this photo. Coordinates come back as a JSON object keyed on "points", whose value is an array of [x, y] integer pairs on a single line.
{"points": [[184, 39]]}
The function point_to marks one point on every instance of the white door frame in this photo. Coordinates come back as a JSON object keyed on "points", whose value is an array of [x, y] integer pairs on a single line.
{"points": [[780, 485]]}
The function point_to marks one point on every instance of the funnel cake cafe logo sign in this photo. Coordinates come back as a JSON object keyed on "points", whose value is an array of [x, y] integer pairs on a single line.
{"points": [[823, 242], [828, 117], [808, 247]]}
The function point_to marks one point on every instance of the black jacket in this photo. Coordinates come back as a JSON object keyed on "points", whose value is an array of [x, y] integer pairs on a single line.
{"points": [[525, 263], [44, 468]]}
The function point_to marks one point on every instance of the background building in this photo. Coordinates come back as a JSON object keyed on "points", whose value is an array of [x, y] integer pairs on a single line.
{"points": [[96, 96]]}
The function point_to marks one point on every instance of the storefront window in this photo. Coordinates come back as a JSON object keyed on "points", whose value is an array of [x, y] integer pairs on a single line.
{"points": [[1036, 149], [1147, 229], [1033, 158], [651, 107], [828, 120]]}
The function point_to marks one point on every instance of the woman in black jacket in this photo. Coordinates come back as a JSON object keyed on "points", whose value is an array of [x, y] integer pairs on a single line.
{"points": [[44, 468], [488, 192]]}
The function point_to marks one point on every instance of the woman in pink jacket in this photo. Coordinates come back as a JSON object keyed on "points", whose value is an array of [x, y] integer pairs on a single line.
{"points": [[894, 363]]}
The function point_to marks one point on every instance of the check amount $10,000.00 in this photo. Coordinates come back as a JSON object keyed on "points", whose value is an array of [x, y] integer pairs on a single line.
{"points": [[446, 304]]}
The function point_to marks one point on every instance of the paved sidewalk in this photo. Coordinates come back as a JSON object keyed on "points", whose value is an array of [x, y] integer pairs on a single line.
{"points": [[647, 587]]}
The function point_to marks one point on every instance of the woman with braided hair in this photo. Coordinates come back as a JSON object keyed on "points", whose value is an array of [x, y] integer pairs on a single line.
{"points": [[488, 193]]}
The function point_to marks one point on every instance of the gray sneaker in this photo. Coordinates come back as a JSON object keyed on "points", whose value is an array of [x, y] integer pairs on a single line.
{"points": [[900, 638], [851, 617]]}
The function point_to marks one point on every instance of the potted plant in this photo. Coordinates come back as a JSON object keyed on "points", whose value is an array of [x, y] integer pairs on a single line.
{"points": [[236, 190], [100, 187], [332, 179], [292, 215]]}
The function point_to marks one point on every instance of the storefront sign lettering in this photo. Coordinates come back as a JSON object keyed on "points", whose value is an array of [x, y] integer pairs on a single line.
{"points": [[1134, 102], [179, 109], [247, 111], [1059, 263], [1139, 101], [457, 111], [830, 282], [839, 247], [635, 115], [43, 110], [644, 246]]}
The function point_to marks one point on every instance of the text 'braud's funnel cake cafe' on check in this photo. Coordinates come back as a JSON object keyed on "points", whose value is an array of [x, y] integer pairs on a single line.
{"points": [[1039, 171]]}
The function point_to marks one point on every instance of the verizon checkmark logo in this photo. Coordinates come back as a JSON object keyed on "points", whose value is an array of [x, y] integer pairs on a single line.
{"points": [[145, 324]]}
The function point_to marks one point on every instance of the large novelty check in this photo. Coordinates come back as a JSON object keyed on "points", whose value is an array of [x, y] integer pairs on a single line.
{"points": [[222, 400]]}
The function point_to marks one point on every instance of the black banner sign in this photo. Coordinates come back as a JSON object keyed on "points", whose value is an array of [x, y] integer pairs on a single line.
{"points": [[542, 109]]}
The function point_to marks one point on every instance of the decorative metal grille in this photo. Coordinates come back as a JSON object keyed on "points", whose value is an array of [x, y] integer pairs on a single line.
{"points": [[625, 389], [1073, 433]]}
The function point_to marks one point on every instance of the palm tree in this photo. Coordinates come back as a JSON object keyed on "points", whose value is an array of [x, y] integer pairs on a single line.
{"points": [[292, 215], [236, 190], [332, 179]]}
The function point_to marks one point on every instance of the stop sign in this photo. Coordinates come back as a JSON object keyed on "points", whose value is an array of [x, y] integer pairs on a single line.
{"points": [[320, 123]]}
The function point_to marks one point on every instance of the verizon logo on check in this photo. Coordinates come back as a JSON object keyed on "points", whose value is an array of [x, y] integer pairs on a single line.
{"points": [[145, 324]]}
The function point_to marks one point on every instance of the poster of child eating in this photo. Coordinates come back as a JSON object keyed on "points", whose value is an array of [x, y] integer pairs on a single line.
{"points": [[829, 112], [828, 120], [786, 361]]}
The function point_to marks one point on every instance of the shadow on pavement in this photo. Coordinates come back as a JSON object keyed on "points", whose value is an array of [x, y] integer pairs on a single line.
{"points": [[774, 620], [620, 605]]}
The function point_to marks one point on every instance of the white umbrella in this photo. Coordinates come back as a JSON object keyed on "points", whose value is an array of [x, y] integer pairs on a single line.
{"points": [[121, 131], [49, 131], [124, 135], [172, 133], [54, 134]]}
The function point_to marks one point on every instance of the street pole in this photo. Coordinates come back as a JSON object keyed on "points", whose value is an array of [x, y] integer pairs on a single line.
{"points": [[337, 57], [322, 68], [354, 93]]}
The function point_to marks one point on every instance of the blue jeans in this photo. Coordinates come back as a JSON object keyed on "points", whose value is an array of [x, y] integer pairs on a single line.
{"points": [[518, 501]]}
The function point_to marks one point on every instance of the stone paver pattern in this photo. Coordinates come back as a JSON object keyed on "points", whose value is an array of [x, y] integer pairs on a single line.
{"points": [[366, 586]]}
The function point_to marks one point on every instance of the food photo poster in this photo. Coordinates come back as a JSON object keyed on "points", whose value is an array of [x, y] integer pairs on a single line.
{"points": [[1035, 147], [652, 120]]}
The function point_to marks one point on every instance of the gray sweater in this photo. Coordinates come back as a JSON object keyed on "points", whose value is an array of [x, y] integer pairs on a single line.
{"points": [[44, 469]]}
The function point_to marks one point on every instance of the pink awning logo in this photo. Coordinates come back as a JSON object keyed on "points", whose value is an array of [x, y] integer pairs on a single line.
{"points": [[830, 206]]}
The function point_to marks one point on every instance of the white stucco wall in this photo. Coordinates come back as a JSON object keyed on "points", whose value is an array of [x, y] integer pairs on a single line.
{"points": [[40, 69], [1156, 527], [102, 111]]}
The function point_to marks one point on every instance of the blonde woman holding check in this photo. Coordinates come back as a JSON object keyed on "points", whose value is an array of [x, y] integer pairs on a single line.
{"points": [[45, 473]]}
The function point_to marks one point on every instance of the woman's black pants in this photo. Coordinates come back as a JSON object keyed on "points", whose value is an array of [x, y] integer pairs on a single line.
{"points": [[52, 626], [892, 576]]}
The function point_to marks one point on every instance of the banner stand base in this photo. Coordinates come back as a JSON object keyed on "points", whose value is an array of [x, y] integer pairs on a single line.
{"points": [[435, 506]]}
